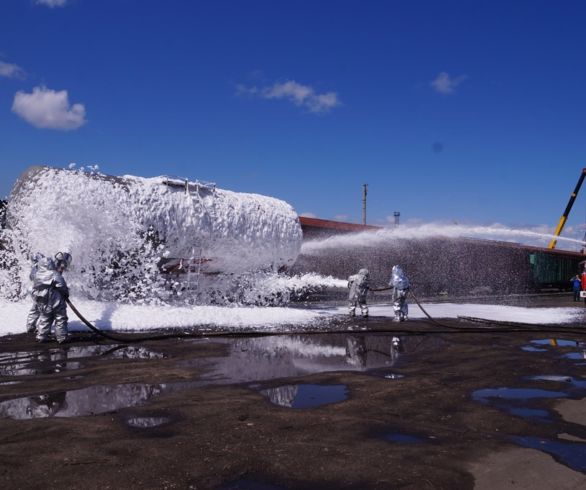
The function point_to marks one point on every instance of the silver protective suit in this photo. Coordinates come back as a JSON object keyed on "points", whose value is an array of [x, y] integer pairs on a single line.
{"points": [[400, 285], [358, 286], [49, 292]]}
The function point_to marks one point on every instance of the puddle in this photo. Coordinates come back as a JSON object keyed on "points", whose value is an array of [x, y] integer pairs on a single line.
{"points": [[405, 438], [556, 342], [572, 454], [39, 362], [484, 395], [393, 376], [133, 352], [50, 361], [577, 356], [530, 348], [93, 400], [306, 395], [247, 484], [266, 358], [574, 382], [551, 377], [529, 413], [249, 360], [509, 399], [147, 422]]}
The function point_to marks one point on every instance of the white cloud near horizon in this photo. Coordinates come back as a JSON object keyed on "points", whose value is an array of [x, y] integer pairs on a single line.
{"points": [[52, 3], [445, 84], [308, 215], [298, 94], [49, 109], [10, 70]]}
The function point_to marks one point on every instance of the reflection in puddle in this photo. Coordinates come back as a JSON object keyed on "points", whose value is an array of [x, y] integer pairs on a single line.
{"points": [[529, 413], [484, 395], [575, 382], [577, 356], [552, 377], [508, 400], [530, 348], [393, 376], [147, 422], [76, 403], [249, 360], [572, 454], [556, 342], [50, 361], [404, 438], [306, 395], [265, 358], [39, 362]]}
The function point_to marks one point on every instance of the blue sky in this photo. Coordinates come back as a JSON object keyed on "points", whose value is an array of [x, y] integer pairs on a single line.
{"points": [[467, 111]]}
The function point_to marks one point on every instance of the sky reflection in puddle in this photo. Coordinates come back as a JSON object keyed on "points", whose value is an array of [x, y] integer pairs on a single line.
{"points": [[306, 395], [572, 454], [402, 438], [484, 395]]}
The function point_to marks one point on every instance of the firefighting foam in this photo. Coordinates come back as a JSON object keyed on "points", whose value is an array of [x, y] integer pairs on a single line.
{"points": [[135, 239]]}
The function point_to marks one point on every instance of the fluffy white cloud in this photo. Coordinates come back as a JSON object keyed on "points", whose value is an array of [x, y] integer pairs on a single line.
{"points": [[52, 3], [298, 94], [10, 70], [49, 109], [444, 84]]}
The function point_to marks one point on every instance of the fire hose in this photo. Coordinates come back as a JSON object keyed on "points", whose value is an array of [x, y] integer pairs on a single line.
{"points": [[501, 327]]}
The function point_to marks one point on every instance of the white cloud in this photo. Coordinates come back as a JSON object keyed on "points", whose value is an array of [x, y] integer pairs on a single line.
{"points": [[49, 109], [10, 70], [298, 94], [52, 3], [308, 215], [444, 84]]}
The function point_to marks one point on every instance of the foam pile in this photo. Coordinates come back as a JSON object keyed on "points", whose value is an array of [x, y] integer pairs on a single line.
{"points": [[121, 229]]}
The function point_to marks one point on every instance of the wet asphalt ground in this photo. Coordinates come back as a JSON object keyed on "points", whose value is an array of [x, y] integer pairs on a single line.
{"points": [[375, 407]]}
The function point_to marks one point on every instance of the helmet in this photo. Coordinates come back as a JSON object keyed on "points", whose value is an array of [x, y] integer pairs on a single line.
{"points": [[363, 272], [63, 259]]}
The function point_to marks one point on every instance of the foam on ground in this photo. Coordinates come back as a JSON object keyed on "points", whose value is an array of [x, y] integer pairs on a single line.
{"points": [[126, 317]]}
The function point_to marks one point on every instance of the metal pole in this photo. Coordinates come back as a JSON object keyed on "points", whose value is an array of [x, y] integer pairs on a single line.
{"points": [[364, 193]]}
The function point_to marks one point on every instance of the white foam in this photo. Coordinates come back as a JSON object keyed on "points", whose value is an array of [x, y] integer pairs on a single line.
{"points": [[104, 221], [491, 312], [127, 317]]}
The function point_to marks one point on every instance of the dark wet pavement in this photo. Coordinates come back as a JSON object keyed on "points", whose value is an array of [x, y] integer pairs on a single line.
{"points": [[290, 411]]}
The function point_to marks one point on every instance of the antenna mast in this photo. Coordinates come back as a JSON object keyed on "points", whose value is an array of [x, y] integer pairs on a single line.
{"points": [[364, 193]]}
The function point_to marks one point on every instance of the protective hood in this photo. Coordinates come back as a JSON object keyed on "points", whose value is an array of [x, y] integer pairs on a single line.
{"points": [[398, 278]]}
